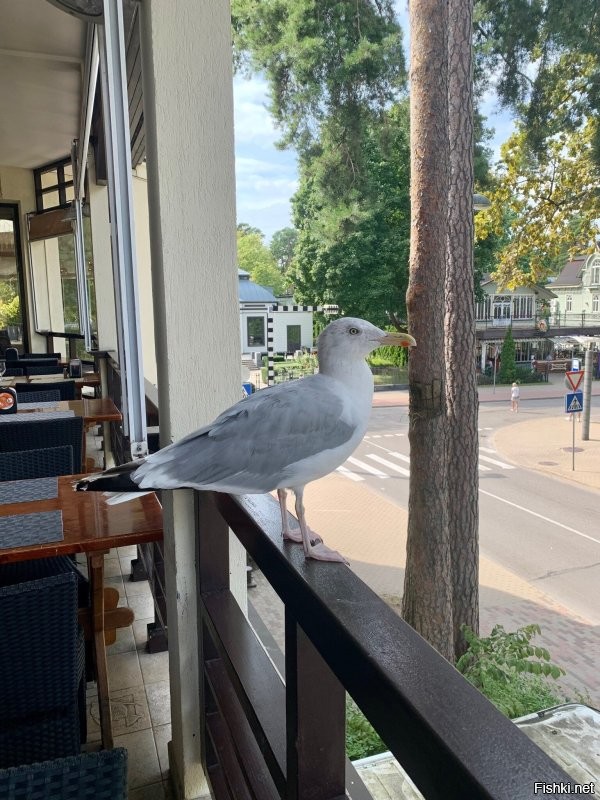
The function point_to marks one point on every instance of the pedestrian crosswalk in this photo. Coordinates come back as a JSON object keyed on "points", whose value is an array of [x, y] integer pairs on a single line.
{"points": [[392, 463]]}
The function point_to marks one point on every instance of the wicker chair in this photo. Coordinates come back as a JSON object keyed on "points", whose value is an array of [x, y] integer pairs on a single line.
{"points": [[49, 396], [42, 691], [13, 372], [46, 433], [18, 465], [51, 369], [24, 464], [66, 388], [97, 776]]}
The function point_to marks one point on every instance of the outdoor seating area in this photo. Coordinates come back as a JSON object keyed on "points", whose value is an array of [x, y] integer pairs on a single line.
{"points": [[61, 610]]}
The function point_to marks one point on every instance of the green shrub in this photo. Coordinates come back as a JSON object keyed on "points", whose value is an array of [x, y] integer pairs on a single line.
{"points": [[511, 672], [361, 738], [507, 372]]}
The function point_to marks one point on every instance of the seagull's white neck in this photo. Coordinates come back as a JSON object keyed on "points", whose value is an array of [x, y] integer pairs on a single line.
{"points": [[354, 373]]}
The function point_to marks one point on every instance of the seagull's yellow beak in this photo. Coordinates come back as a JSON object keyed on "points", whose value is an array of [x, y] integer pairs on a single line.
{"points": [[398, 340]]}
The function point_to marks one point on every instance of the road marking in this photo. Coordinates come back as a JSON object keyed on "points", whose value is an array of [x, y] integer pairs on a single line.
{"points": [[500, 464], [401, 456], [389, 464], [377, 472], [349, 474], [540, 516], [487, 449], [483, 468]]}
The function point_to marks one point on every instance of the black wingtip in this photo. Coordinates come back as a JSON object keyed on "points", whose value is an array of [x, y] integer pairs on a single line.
{"points": [[117, 479]]}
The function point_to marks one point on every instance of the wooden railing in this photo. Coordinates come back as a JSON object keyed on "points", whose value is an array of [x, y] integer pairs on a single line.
{"points": [[264, 737]]}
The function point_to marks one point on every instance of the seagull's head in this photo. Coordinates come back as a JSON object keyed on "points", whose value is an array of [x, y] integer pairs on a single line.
{"points": [[356, 338]]}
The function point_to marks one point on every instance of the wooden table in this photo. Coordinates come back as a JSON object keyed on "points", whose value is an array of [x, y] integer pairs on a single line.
{"points": [[92, 527], [92, 409], [87, 379]]}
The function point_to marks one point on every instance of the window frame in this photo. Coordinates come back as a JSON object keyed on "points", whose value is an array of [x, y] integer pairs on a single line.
{"points": [[250, 319], [60, 186]]}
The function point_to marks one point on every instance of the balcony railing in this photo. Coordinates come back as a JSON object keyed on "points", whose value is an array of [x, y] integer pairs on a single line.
{"points": [[544, 323], [265, 736]]}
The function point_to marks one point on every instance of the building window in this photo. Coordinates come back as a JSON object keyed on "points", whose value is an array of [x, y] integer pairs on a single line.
{"points": [[483, 309], [256, 331], [569, 302], [595, 303], [595, 272], [523, 307], [12, 280], [53, 185]]}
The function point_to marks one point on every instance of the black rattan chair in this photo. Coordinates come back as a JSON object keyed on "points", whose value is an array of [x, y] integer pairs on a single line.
{"points": [[43, 434], [49, 396], [93, 776], [66, 388], [19, 465], [42, 691], [13, 372], [51, 369]]}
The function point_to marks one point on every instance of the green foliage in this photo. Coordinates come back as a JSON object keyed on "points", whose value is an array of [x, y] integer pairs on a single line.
{"points": [[545, 59], [353, 245], [361, 738], [282, 247], [10, 306], [507, 372], [321, 58], [396, 356], [510, 671], [256, 258]]}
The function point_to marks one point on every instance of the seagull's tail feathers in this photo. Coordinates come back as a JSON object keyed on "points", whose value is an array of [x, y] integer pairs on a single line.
{"points": [[116, 479], [113, 499]]}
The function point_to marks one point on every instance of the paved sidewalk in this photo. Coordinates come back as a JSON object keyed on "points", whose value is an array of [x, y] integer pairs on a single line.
{"points": [[371, 532]]}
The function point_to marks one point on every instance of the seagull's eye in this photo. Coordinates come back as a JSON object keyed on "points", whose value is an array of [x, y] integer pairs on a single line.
{"points": [[353, 331]]}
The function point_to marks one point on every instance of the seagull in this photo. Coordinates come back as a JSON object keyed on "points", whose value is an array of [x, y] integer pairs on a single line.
{"points": [[278, 438]]}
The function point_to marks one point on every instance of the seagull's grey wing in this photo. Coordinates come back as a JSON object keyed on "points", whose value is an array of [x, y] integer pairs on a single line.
{"points": [[249, 447]]}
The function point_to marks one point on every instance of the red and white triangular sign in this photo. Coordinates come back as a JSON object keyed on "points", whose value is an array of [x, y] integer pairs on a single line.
{"points": [[575, 379]]}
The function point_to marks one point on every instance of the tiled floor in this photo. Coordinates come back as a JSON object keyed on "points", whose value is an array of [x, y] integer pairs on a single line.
{"points": [[139, 689], [139, 682]]}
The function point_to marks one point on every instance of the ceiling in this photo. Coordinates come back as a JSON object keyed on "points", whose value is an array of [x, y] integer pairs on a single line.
{"points": [[42, 50]]}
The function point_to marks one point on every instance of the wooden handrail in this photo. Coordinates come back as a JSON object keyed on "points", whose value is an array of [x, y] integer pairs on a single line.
{"points": [[339, 636]]}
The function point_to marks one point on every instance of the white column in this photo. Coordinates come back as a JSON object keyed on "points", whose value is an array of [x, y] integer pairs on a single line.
{"points": [[188, 110]]}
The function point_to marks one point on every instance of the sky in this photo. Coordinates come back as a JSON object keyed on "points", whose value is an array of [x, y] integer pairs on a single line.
{"points": [[267, 178]]}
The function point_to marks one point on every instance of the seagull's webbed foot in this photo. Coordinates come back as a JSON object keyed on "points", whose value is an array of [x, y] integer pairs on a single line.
{"points": [[320, 552]]}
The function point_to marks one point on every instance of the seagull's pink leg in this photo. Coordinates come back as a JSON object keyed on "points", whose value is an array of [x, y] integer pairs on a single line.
{"points": [[316, 550], [290, 535]]}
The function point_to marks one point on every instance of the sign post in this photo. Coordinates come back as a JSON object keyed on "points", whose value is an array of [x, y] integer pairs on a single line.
{"points": [[573, 405]]}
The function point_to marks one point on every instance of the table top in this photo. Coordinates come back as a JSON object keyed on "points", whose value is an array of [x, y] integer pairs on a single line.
{"points": [[89, 523], [87, 379], [92, 409]]}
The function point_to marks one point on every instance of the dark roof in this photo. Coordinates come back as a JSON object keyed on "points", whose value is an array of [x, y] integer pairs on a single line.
{"points": [[571, 273], [250, 292]]}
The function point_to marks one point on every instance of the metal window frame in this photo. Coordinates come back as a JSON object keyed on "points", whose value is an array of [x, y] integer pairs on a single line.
{"points": [[113, 72]]}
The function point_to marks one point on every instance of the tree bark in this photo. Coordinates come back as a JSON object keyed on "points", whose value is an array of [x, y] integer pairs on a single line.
{"points": [[461, 382], [427, 585]]}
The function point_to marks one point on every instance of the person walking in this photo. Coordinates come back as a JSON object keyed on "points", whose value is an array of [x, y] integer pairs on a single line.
{"points": [[514, 397]]}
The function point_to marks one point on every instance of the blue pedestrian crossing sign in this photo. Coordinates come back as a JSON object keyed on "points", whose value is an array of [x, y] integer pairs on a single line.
{"points": [[573, 402]]}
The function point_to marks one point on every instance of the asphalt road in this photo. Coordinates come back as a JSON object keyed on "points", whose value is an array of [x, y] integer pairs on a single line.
{"points": [[543, 529]]}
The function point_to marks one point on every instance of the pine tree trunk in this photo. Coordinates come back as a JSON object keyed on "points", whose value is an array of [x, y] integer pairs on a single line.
{"points": [[427, 586], [461, 382]]}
